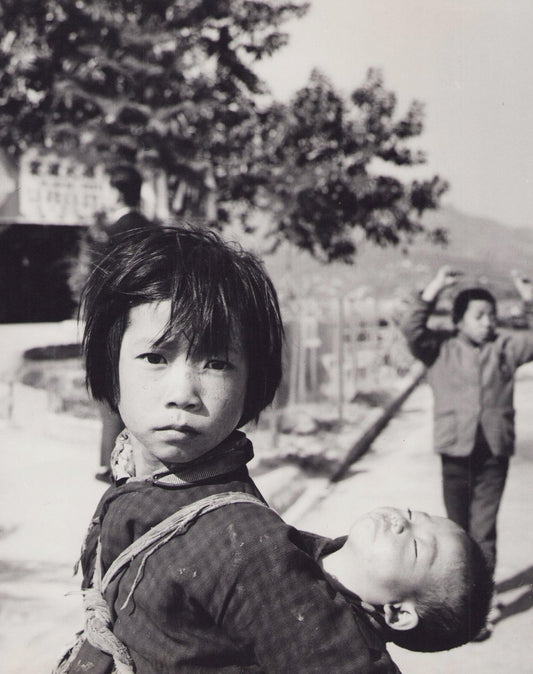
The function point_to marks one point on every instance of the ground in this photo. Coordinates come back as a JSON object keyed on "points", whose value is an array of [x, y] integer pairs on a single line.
{"points": [[48, 493]]}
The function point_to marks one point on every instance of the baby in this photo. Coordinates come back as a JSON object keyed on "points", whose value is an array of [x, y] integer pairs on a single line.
{"points": [[426, 579]]}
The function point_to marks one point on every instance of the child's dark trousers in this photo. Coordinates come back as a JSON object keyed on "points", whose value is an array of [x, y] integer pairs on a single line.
{"points": [[473, 488]]}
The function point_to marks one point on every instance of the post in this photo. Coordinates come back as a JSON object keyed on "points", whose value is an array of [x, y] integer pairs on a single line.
{"points": [[340, 359]]}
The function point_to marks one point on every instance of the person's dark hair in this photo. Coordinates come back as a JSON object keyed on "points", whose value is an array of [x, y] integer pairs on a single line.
{"points": [[463, 299], [217, 291], [128, 181], [454, 612]]}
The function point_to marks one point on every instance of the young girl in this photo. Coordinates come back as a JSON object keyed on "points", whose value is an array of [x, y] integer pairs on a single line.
{"points": [[183, 338]]}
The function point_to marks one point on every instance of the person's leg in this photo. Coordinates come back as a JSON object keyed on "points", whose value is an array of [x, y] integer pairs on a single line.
{"points": [[488, 484], [489, 474], [457, 488]]}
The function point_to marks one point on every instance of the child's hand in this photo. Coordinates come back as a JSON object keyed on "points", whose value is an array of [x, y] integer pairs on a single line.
{"points": [[523, 285], [444, 278]]}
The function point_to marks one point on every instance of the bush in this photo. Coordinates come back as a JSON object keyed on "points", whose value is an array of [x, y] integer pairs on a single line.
{"points": [[53, 352]]}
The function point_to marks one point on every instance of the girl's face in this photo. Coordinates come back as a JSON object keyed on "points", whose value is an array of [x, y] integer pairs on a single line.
{"points": [[175, 407]]}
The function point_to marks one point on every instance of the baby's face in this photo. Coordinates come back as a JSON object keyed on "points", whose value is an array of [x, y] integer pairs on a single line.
{"points": [[398, 554], [176, 407]]}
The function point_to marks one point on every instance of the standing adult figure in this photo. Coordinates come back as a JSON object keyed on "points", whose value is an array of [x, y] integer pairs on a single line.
{"points": [[125, 215], [126, 183]]}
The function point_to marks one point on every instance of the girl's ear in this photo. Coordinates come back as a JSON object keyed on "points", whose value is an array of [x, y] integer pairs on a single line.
{"points": [[401, 616]]}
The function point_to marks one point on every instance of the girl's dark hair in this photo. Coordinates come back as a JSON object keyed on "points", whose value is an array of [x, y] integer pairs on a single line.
{"points": [[456, 610], [217, 291], [463, 299]]}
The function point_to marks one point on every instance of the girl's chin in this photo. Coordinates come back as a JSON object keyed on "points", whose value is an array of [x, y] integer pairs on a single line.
{"points": [[165, 458]]}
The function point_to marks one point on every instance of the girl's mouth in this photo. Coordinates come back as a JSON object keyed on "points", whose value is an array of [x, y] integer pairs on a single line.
{"points": [[174, 431]]}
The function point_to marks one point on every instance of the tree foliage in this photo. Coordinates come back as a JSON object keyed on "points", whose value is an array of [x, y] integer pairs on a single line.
{"points": [[167, 81], [336, 165], [171, 84]]}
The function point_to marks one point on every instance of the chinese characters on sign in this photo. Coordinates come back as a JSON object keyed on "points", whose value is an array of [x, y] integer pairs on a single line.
{"points": [[56, 190]]}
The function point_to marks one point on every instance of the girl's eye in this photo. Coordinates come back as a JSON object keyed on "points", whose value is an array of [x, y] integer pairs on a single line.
{"points": [[152, 358], [216, 364], [409, 514]]}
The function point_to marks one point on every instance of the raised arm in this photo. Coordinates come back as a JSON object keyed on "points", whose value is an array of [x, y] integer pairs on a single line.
{"points": [[423, 342], [444, 278], [522, 341], [523, 285]]}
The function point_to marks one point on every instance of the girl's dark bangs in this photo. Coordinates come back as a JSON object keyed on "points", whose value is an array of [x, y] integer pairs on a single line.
{"points": [[205, 319]]}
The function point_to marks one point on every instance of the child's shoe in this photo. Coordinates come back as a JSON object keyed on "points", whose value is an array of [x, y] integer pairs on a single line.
{"points": [[484, 633], [494, 614]]}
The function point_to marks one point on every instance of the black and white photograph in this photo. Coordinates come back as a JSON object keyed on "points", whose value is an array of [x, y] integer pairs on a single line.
{"points": [[266, 336]]}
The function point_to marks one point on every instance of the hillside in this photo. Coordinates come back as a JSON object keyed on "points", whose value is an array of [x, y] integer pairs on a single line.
{"points": [[483, 249]]}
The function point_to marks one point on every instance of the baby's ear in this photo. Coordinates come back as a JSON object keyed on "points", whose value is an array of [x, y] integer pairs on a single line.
{"points": [[401, 616]]}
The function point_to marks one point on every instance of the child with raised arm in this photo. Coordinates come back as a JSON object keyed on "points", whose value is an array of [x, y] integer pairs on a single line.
{"points": [[471, 372]]}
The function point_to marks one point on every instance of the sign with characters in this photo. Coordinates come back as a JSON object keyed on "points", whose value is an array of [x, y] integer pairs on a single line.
{"points": [[56, 190], [48, 189]]}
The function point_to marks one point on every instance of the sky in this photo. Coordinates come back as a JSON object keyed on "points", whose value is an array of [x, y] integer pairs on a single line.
{"points": [[469, 61]]}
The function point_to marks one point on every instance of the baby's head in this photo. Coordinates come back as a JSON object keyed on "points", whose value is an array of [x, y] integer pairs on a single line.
{"points": [[425, 576], [184, 328], [474, 314]]}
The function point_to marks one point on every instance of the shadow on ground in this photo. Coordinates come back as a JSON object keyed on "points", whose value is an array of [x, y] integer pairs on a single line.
{"points": [[524, 601], [23, 572]]}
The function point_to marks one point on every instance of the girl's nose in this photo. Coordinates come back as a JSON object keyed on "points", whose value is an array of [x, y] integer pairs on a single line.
{"points": [[182, 390]]}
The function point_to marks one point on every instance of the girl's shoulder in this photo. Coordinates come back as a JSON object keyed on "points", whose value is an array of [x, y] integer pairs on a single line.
{"points": [[138, 506]]}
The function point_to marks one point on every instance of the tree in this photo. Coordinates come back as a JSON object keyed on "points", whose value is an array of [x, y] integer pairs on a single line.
{"points": [[334, 169], [165, 82], [170, 84]]}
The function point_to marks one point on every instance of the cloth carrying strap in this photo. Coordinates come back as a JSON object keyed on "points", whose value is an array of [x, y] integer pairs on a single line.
{"points": [[98, 619], [176, 524]]}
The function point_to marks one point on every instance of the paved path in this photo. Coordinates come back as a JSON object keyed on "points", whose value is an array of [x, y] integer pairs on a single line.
{"points": [[401, 470]]}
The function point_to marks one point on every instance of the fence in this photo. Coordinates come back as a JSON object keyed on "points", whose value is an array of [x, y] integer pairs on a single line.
{"points": [[338, 348]]}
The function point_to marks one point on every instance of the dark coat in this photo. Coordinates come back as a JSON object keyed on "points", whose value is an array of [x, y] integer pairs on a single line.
{"points": [[131, 220], [241, 591]]}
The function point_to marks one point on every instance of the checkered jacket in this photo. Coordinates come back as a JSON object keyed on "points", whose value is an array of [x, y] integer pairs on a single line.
{"points": [[241, 591]]}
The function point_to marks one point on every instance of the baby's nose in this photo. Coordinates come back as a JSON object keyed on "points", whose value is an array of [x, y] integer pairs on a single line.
{"points": [[398, 524]]}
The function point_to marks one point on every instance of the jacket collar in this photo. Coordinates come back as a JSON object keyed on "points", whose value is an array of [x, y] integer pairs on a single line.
{"points": [[231, 454]]}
